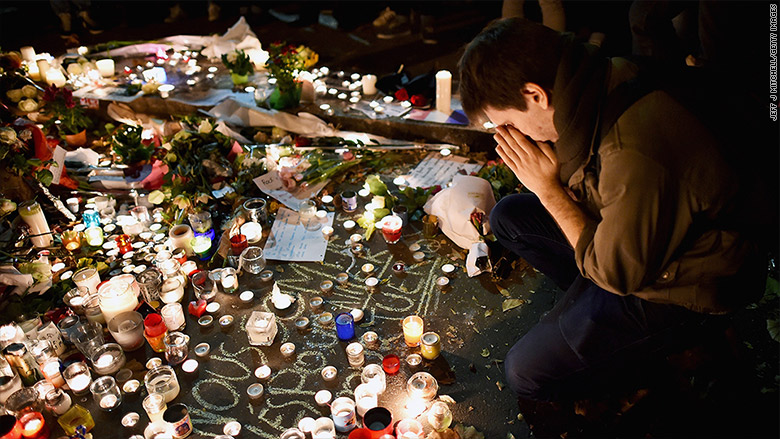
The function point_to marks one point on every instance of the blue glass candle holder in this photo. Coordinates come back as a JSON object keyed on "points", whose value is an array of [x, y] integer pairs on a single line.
{"points": [[91, 218], [345, 326]]}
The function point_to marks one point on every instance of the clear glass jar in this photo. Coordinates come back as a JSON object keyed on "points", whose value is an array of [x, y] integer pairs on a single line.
{"points": [[58, 402], [106, 393], [154, 405], [116, 297], [149, 281], [162, 379]]}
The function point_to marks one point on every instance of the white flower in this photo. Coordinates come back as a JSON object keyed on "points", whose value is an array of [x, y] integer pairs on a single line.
{"points": [[29, 91], [28, 105], [7, 135], [15, 95], [205, 127], [232, 56]]}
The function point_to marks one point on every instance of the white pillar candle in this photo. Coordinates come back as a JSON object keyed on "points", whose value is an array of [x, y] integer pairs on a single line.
{"points": [[28, 53], [33, 72], [116, 297], [55, 77], [369, 84], [105, 67], [443, 91], [43, 67]]}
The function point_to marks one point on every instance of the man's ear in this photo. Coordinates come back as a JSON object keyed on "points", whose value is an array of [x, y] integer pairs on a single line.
{"points": [[535, 94]]}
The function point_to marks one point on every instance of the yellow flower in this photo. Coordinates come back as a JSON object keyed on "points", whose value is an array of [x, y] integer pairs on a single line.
{"points": [[205, 127]]}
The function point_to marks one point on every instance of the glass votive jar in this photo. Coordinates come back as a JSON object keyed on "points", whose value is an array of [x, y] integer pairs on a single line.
{"points": [[87, 277], [325, 320], [75, 299], [117, 296], [127, 329], [155, 331], [159, 429], [162, 379], [229, 280], [176, 347], [413, 329], [149, 282], [256, 210], [78, 377], [52, 372], [172, 290], [88, 338], [201, 246], [173, 316], [414, 361], [94, 236], [34, 426], [252, 260], [370, 339], [329, 373], [442, 282], [365, 398], [430, 346], [355, 354], [58, 402], [188, 268], [253, 232], [91, 218], [292, 433], [92, 310], [22, 401], [391, 364], [261, 328], [200, 221], [71, 240], [154, 405], [422, 385], [324, 428], [374, 376], [108, 359], [323, 397], [391, 228], [345, 326], [409, 429], [205, 288], [68, 327], [342, 411], [255, 391], [238, 243], [106, 393], [124, 243]]}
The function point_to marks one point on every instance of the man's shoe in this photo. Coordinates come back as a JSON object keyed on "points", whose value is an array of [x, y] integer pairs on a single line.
{"points": [[384, 17], [398, 26]]}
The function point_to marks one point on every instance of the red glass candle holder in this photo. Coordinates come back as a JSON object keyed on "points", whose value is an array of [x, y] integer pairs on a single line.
{"points": [[10, 427], [34, 426], [238, 243], [124, 244], [391, 364]]}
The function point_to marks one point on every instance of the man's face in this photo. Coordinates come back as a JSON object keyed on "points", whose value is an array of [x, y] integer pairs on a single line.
{"points": [[535, 122]]}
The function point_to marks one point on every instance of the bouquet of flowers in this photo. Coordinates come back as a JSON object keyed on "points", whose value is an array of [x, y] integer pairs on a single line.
{"points": [[283, 63], [239, 64], [129, 147], [67, 114], [17, 154]]}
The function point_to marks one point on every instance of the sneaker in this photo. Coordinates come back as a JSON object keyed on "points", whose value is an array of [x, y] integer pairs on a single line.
{"points": [[327, 19], [398, 26], [384, 17]]}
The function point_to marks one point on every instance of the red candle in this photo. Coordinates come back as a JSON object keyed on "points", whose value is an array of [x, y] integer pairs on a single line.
{"points": [[34, 426], [391, 228], [238, 243], [391, 364], [123, 244], [10, 427]]}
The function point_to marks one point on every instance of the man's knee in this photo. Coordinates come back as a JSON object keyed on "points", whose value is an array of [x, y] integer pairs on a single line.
{"points": [[520, 374]]}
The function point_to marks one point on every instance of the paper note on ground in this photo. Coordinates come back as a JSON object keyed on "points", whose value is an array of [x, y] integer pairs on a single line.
{"points": [[290, 241], [438, 169], [271, 184]]}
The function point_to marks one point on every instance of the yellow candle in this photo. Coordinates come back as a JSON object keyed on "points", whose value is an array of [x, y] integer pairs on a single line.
{"points": [[413, 329]]}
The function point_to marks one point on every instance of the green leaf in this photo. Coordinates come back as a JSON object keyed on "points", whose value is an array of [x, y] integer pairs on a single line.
{"points": [[511, 304], [773, 326], [44, 176]]}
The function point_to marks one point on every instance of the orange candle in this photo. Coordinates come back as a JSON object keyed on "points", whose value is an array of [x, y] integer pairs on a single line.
{"points": [[413, 329]]}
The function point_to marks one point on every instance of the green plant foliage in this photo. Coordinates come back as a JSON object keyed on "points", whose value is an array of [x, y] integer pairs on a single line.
{"points": [[129, 147]]}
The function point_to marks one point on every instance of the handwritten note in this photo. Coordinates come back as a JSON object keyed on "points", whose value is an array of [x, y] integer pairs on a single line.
{"points": [[437, 169], [290, 241], [271, 184]]}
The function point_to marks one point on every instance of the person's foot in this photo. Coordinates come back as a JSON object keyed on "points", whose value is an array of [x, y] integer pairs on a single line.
{"points": [[384, 17]]}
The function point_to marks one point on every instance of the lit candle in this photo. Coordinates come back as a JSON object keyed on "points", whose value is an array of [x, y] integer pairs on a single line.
{"points": [[32, 214], [443, 91], [106, 67], [263, 372], [280, 301], [108, 402], [329, 373], [51, 370], [365, 398], [116, 296], [201, 245], [287, 350], [55, 77], [34, 426], [79, 382], [94, 236], [413, 329], [369, 84], [323, 397]]}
